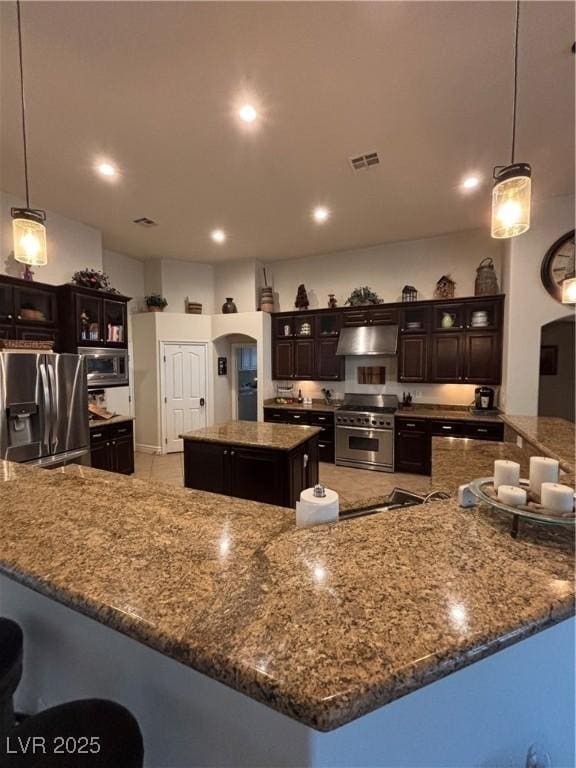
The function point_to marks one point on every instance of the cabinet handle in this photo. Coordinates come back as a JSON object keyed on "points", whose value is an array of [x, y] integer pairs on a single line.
{"points": [[321, 418], [479, 429], [225, 453], [108, 443], [9, 317], [96, 434], [410, 425], [449, 428], [295, 416], [19, 317], [121, 431], [113, 442], [232, 453], [102, 340]]}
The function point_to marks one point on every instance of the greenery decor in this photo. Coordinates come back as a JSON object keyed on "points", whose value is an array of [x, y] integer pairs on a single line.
{"points": [[364, 295], [155, 302], [93, 278]]}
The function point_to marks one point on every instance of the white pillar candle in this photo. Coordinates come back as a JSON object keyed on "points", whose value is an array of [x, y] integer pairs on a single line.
{"points": [[509, 494], [506, 473], [557, 498], [542, 470]]}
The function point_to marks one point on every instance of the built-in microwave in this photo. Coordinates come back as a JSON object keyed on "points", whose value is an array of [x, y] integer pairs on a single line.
{"points": [[105, 367]]}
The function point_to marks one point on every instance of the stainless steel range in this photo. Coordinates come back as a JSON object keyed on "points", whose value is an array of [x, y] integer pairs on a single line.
{"points": [[365, 432]]}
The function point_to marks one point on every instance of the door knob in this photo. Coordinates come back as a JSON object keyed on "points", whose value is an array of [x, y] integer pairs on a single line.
{"points": [[202, 402]]}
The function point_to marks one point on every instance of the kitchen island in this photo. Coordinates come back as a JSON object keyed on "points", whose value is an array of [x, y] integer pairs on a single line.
{"points": [[271, 463], [339, 628]]}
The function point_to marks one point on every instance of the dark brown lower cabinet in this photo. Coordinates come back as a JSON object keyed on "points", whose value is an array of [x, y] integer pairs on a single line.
{"points": [[322, 419], [112, 448], [260, 474], [412, 358], [412, 446], [413, 439]]}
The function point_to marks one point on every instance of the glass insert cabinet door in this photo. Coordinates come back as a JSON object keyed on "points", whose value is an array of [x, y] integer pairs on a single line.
{"points": [[114, 321], [34, 305], [89, 313], [6, 304]]}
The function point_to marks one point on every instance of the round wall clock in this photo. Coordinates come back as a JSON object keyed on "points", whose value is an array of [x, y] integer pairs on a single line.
{"points": [[557, 264]]}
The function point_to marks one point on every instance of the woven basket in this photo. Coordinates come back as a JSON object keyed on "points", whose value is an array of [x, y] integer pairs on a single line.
{"points": [[42, 346], [486, 283]]}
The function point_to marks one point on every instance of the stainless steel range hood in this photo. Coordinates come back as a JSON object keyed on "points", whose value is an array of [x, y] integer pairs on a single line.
{"points": [[368, 340]]}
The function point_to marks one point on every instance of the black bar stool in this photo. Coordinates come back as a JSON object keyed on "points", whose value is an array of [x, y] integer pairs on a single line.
{"points": [[94, 733], [11, 645]]}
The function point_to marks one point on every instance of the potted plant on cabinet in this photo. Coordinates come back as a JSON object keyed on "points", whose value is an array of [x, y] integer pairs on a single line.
{"points": [[155, 302]]}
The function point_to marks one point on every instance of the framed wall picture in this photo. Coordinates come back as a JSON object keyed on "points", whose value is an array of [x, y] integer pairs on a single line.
{"points": [[548, 360]]}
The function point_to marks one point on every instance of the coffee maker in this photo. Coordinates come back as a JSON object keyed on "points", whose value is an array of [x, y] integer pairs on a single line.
{"points": [[484, 399]]}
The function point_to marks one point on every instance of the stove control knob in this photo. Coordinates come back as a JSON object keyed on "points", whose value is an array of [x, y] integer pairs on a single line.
{"points": [[374, 422]]}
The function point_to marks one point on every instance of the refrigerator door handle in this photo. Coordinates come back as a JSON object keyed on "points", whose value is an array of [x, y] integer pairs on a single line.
{"points": [[47, 406], [53, 407]]}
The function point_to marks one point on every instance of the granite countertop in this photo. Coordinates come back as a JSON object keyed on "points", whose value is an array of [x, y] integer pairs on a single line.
{"points": [[256, 434], [117, 419], [554, 437], [322, 624], [443, 412], [317, 405]]}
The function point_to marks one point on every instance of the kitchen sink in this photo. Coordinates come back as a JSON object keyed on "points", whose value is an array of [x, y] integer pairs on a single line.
{"points": [[397, 499]]}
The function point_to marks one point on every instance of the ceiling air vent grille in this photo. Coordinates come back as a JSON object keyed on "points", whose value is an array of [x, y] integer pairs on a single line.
{"points": [[364, 161], [144, 221]]}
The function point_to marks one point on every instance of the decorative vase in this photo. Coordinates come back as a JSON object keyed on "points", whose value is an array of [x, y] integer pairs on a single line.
{"points": [[447, 320], [229, 307], [267, 299]]}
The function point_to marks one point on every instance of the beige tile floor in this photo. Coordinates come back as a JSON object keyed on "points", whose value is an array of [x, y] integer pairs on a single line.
{"points": [[350, 484]]}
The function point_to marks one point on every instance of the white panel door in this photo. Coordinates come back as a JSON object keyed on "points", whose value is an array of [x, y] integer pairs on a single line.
{"points": [[184, 391]]}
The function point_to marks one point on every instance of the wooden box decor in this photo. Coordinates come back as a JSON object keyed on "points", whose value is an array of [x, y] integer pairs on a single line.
{"points": [[193, 307]]}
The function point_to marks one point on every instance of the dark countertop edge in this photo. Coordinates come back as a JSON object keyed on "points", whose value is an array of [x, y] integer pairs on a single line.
{"points": [[564, 465], [300, 710], [311, 431]]}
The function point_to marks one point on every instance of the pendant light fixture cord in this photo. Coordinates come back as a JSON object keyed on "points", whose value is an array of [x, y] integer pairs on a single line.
{"points": [[23, 104], [515, 81]]}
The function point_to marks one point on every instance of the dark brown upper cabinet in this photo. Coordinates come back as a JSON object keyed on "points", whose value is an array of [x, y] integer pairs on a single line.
{"points": [[482, 357], [448, 318], [374, 315], [329, 365], [93, 318], [28, 310], [283, 359], [446, 358], [415, 319], [304, 367], [413, 358]]}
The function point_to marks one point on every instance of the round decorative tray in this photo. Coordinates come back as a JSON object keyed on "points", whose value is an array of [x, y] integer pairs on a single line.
{"points": [[481, 489]]}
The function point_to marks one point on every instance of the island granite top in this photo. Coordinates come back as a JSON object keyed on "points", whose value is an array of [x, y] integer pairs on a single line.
{"points": [[255, 434], [323, 624]]}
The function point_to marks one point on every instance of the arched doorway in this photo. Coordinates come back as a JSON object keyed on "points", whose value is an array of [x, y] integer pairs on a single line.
{"points": [[556, 393]]}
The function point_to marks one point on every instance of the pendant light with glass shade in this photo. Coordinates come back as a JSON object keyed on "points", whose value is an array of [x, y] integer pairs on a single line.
{"points": [[28, 229], [512, 183]]}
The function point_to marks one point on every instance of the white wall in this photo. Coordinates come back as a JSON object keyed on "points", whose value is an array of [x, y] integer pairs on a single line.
{"points": [[218, 331], [126, 275], [528, 304], [387, 268], [181, 279], [71, 245], [240, 280]]}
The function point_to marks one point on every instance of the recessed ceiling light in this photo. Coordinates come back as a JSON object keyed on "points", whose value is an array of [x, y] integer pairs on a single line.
{"points": [[106, 169], [247, 113], [218, 235], [470, 182], [321, 214]]}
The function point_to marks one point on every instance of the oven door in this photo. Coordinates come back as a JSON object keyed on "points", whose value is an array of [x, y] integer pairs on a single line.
{"points": [[106, 367], [365, 448]]}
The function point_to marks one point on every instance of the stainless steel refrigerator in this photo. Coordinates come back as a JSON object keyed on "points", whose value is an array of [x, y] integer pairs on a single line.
{"points": [[43, 409]]}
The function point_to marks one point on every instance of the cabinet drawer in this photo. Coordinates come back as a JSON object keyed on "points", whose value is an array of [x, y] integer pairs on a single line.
{"points": [[408, 425], [356, 317], [99, 434], [277, 416], [446, 428], [296, 417], [326, 451], [484, 430], [121, 430], [319, 419], [383, 317]]}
